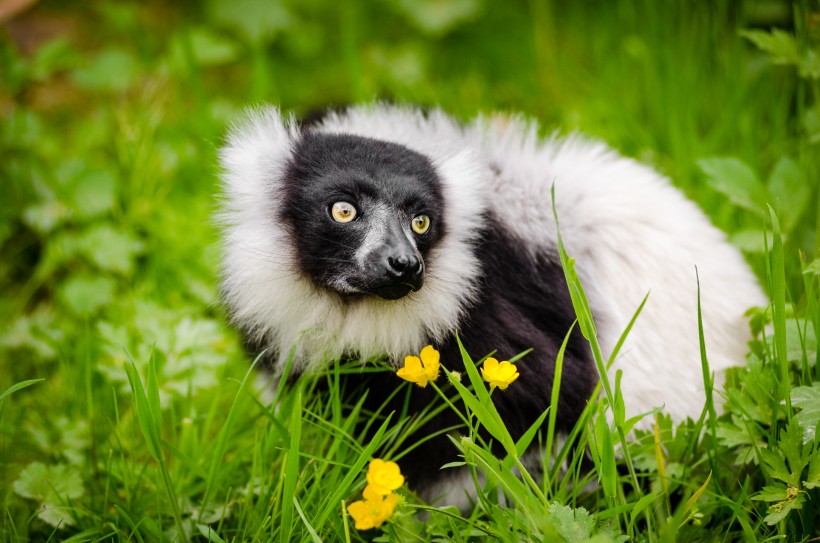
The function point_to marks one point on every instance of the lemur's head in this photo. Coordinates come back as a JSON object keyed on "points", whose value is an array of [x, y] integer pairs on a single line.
{"points": [[356, 235], [364, 213]]}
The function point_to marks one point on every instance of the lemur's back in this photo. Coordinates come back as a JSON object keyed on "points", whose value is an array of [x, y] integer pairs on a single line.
{"points": [[631, 233]]}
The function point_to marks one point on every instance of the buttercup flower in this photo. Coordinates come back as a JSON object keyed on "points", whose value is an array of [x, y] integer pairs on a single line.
{"points": [[498, 374], [373, 510], [421, 371], [383, 477]]}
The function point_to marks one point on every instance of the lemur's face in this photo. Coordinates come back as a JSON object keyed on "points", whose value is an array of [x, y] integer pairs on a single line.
{"points": [[364, 213]]}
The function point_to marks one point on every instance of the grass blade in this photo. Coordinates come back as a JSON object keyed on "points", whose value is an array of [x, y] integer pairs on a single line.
{"points": [[329, 504], [291, 471], [149, 415], [777, 284], [313, 535], [217, 462], [584, 315], [18, 386]]}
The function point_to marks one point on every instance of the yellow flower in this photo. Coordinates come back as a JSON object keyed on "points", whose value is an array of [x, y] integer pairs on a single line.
{"points": [[383, 477], [373, 510], [421, 371], [498, 374]]}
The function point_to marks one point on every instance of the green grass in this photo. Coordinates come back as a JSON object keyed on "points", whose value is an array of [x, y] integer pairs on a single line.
{"points": [[128, 411]]}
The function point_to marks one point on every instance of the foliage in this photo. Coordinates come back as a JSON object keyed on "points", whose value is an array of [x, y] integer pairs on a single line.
{"points": [[127, 408]]}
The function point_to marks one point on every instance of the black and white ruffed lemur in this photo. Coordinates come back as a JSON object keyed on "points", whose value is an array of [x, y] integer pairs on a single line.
{"points": [[382, 229]]}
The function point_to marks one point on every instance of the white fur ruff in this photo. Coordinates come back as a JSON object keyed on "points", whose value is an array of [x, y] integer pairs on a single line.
{"points": [[630, 231]]}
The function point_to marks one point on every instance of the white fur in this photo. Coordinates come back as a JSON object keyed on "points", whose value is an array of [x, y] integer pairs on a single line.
{"points": [[632, 234], [630, 231]]}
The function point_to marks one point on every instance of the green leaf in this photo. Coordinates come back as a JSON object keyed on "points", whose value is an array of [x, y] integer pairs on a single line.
{"points": [[807, 399], [94, 193], [735, 179], [258, 21], [111, 70], [495, 472], [813, 268], [38, 332], [779, 44], [607, 471], [203, 47], [291, 471], [691, 503], [809, 65], [209, 533], [53, 56], [44, 217], [811, 124], [788, 450], [798, 337], [146, 418], [785, 498], [790, 191], [61, 251], [311, 530], [481, 403], [749, 240], [813, 478], [84, 295], [779, 511], [776, 272], [52, 486], [212, 49], [487, 416], [437, 17], [109, 248], [784, 49], [743, 434], [18, 386], [772, 493], [797, 456], [572, 524]]}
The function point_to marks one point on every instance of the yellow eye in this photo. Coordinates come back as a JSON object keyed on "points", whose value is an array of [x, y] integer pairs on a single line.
{"points": [[343, 212], [421, 224]]}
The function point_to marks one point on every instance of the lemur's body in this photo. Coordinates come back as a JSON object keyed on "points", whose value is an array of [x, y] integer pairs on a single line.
{"points": [[383, 229]]}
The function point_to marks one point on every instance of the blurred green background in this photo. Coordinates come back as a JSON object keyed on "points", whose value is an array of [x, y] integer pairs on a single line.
{"points": [[112, 113]]}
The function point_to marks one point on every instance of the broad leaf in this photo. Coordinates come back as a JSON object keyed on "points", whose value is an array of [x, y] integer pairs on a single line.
{"points": [[790, 191], [813, 479], [779, 44], [807, 400], [736, 180], [572, 524], [53, 486]]}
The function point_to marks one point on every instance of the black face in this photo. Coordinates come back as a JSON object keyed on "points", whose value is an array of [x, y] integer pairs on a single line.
{"points": [[364, 214]]}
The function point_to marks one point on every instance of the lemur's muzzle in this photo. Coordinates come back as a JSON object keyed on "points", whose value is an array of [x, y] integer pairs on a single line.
{"points": [[401, 266]]}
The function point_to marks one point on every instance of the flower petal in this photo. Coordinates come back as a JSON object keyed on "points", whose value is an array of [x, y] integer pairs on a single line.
{"points": [[412, 364], [430, 357], [413, 371], [499, 374], [387, 506], [488, 369], [361, 513], [383, 477]]}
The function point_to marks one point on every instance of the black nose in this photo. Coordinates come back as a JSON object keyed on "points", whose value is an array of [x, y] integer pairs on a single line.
{"points": [[404, 266]]}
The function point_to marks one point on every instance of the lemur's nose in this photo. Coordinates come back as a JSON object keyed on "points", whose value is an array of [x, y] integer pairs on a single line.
{"points": [[404, 266]]}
